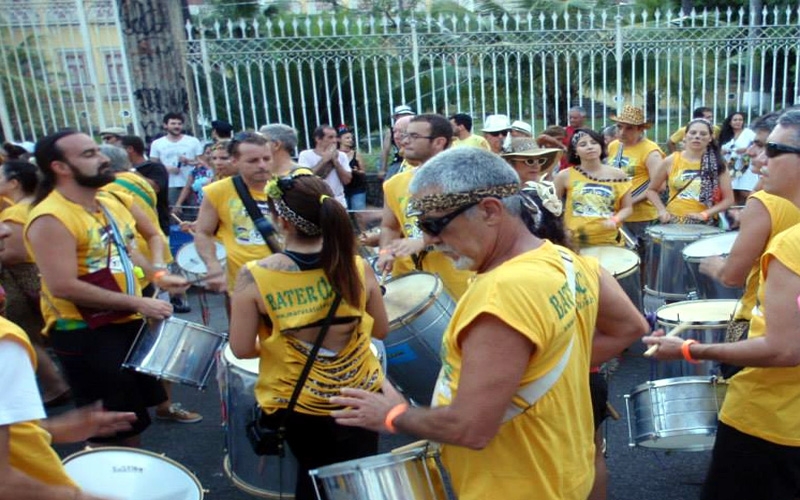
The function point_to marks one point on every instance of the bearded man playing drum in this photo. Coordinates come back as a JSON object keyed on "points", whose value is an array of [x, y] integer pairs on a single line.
{"points": [[757, 448], [91, 299], [500, 439]]}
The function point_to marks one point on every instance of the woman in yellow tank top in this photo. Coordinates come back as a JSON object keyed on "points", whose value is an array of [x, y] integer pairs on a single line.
{"points": [[278, 305], [698, 179]]}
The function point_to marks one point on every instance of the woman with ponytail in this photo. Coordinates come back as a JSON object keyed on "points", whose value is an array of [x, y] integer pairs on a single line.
{"points": [[698, 180], [278, 306]]}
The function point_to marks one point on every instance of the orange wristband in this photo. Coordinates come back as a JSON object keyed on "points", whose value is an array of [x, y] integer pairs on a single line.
{"points": [[384, 251], [687, 354], [395, 412], [159, 274], [704, 215], [614, 219]]}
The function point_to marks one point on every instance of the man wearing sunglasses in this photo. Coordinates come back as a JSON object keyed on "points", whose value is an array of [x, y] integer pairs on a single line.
{"points": [[495, 130], [757, 447], [529, 315]]}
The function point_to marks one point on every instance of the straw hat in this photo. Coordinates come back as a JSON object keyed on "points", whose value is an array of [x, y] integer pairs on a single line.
{"points": [[631, 115], [526, 147], [496, 123]]}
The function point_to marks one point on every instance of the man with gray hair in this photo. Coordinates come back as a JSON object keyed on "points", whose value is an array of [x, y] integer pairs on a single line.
{"points": [[282, 141], [528, 317], [757, 447]]}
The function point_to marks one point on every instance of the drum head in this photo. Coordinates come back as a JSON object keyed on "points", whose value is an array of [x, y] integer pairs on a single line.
{"points": [[408, 294], [697, 312], [681, 231], [385, 460], [130, 474], [189, 260], [248, 365], [708, 246], [616, 260]]}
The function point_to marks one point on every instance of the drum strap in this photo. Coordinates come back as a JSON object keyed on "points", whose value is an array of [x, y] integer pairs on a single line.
{"points": [[264, 227], [534, 391]]}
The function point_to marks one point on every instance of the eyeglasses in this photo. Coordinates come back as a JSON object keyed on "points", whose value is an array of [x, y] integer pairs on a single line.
{"points": [[414, 136], [435, 225], [774, 149], [498, 134], [531, 162], [107, 137]]}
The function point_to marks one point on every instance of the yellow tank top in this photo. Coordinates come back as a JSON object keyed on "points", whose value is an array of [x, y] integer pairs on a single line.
{"points": [[539, 450], [765, 402], [92, 249], [29, 443], [236, 231], [783, 214], [684, 179], [295, 299], [632, 161], [590, 201], [17, 214]]}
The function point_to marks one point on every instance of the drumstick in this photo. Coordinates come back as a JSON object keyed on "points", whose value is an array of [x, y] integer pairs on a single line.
{"points": [[628, 239], [612, 412], [410, 446], [675, 331], [177, 219]]}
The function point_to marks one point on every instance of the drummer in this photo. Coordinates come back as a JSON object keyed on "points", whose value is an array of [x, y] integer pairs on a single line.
{"points": [[29, 467], [757, 447], [764, 216], [91, 300], [503, 335], [278, 305], [698, 180], [598, 196]]}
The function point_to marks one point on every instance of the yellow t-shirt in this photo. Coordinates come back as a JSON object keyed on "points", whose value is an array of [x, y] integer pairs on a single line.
{"points": [[473, 140], [29, 443], [92, 249], [294, 299], [236, 230], [590, 201], [632, 161], [396, 196], [765, 402], [17, 214], [679, 134], [546, 452], [783, 214], [684, 179]]}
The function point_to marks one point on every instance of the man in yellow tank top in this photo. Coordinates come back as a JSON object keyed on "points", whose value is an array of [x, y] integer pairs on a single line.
{"points": [[757, 448], [91, 300], [29, 467], [499, 438]]}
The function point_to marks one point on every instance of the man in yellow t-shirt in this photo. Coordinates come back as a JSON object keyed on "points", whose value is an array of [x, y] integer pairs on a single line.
{"points": [[498, 440], [462, 133], [757, 447]]}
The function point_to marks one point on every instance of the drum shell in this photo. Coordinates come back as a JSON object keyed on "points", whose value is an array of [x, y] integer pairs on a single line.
{"points": [[175, 350], [665, 272], [414, 342], [256, 475], [675, 414], [708, 287], [625, 270], [391, 476]]}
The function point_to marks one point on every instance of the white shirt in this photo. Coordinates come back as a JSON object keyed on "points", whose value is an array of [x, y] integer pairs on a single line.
{"points": [[19, 399], [309, 158], [168, 152]]}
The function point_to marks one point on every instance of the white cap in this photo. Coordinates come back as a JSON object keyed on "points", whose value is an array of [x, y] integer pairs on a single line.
{"points": [[496, 123], [521, 126]]}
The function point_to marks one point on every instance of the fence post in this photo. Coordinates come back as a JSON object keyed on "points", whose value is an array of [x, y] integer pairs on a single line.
{"points": [[134, 113], [415, 59], [5, 118], [92, 68], [618, 22]]}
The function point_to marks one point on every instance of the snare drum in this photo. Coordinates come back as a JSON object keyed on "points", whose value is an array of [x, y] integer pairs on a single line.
{"points": [[712, 246], [260, 476], [131, 474], [175, 350], [415, 474], [675, 414], [419, 310], [665, 274], [193, 267], [709, 319], [623, 264]]}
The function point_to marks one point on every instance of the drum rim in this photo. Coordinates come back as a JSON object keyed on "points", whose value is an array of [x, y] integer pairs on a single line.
{"points": [[697, 258], [671, 381], [373, 462], [701, 323], [226, 348], [686, 236], [246, 487], [623, 273], [415, 312], [694, 432], [163, 457], [222, 259]]}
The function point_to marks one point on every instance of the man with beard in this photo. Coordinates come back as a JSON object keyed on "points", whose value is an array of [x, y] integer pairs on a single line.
{"points": [[176, 151], [91, 299], [402, 248]]}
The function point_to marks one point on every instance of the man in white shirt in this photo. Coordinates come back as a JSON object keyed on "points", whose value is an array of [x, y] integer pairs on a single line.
{"points": [[176, 151], [328, 162]]}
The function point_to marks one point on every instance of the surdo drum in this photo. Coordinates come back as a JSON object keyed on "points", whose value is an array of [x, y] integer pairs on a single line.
{"points": [[623, 264], [712, 246]]}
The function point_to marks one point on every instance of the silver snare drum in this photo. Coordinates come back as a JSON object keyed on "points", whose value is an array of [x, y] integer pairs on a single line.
{"points": [[175, 350], [675, 414], [712, 246], [193, 267], [623, 264]]}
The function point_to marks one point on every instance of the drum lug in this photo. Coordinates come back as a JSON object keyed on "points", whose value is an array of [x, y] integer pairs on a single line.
{"points": [[631, 443], [692, 295]]}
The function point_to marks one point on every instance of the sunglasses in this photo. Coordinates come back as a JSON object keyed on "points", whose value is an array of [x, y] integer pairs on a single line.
{"points": [[434, 226], [774, 149], [498, 134], [531, 162]]}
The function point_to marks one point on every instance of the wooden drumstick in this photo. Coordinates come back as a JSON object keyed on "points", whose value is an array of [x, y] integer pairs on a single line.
{"points": [[628, 239], [675, 331], [177, 219], [612, 412], [410, 446]]}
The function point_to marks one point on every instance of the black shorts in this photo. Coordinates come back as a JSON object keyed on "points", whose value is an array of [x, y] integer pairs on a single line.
{"points": [[598, 388], [92, 361]]}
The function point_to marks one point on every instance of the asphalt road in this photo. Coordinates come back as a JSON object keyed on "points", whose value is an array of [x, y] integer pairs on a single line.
{"points": [[635, 473]]}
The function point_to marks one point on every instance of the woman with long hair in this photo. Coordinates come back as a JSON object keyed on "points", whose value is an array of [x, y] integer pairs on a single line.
{"points": [[356, 190], [598, 197], [278, 306], [697, 177], [734, 139]]}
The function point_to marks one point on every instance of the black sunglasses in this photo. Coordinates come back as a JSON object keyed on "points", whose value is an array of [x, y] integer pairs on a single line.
{"points": [[434, 226], [774, 149], [497, 134]]}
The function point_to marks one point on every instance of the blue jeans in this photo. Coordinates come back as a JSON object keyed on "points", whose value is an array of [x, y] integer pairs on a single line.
{"points": [[357, 201]]}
